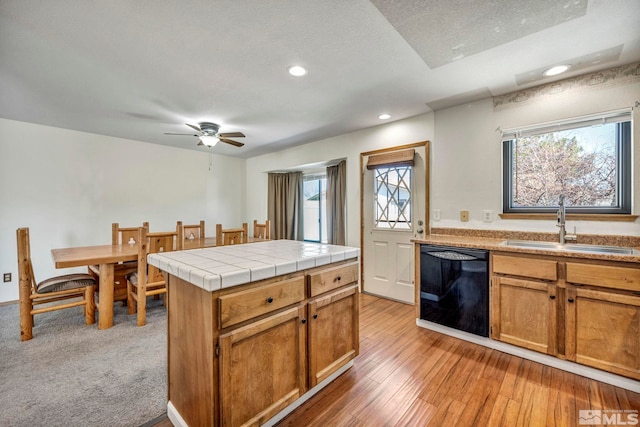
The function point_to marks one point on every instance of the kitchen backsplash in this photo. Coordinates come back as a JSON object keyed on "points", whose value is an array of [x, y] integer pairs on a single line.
{"points": [[590, 239]]}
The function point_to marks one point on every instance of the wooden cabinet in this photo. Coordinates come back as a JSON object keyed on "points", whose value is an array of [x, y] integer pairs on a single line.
{"points": [[262, 368], [239, 356], [523, 301], [525, 313], [333, 332], [585, 311], [603, 317]]}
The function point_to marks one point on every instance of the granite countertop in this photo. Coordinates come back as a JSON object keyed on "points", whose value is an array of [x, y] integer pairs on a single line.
{"points": [[226, 266], [496, 244]]}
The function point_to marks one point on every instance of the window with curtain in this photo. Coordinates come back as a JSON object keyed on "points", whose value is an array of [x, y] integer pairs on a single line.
{"points": [[285, 205]]}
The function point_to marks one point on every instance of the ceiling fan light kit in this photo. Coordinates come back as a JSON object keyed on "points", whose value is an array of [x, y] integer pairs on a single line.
{"points": [[209, 141]]}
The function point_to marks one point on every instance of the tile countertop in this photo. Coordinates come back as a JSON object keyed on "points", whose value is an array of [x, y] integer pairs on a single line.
{"points": [[493, 244], [226, 266]]}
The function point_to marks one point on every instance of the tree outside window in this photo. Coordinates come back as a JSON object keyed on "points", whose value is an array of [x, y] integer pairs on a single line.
{"points": [[588, 165]]}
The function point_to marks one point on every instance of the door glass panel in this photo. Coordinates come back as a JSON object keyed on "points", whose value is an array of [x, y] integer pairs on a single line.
{"points": [[392, 187]]}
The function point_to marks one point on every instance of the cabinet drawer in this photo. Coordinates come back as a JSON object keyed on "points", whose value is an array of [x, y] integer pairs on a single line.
{"points": [[243, 305], [525, 267], [332, 278], [606, 276]]}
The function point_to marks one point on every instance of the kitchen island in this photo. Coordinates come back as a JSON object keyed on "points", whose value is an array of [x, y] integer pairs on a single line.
{"points": [[254, 330]]}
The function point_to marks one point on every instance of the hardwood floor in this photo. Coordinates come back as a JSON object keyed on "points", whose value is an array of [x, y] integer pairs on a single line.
{"points": [[410, 376]]}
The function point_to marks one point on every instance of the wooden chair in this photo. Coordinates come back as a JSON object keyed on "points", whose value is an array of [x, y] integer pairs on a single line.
{"points": [[149, 280], [231, 236], [55, 289], [120, 236], [194, 231], [262, 231]]}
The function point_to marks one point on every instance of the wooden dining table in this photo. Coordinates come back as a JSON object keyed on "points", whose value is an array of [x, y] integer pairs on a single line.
{"points": [[107, 256]]}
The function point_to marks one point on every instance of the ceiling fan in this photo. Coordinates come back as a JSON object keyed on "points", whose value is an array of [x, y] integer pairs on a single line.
{"points": [[209, 136]]}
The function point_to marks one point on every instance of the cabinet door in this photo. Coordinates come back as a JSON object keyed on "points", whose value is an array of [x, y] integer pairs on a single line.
{"points": [[333, 332], [603, 329], [524, 313], [262, 368]]}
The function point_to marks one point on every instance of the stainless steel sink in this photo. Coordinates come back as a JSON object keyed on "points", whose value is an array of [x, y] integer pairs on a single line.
{"points": [[571, 247]]}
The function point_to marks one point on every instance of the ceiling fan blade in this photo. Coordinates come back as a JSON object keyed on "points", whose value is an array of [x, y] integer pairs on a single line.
{"points": [[229, 141], [194, 127], [231, 135], [187, 134]]}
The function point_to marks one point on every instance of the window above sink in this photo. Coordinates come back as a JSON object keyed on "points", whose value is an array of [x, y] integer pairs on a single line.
{"points": [[587, 159]]}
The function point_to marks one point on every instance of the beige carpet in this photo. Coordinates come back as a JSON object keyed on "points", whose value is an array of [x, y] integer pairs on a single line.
{"points": [[71, 374]]}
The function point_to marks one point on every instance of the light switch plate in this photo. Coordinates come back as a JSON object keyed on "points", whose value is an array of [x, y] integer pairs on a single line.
{"points": [[464, 216], [436, 214]]}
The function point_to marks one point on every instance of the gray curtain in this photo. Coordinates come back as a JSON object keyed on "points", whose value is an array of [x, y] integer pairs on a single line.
{"points": [[285, 205], [336, 203]]}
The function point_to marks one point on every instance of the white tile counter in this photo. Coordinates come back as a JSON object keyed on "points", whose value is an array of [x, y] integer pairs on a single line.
{"points": [[225, 266]]}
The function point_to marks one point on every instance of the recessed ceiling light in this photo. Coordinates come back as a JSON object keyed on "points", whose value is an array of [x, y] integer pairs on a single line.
{"points": [[558, 69], [384, 116], [297, 70]]}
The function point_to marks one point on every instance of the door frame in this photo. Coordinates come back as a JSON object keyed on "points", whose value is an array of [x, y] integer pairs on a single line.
{"points": [[427, 166]]}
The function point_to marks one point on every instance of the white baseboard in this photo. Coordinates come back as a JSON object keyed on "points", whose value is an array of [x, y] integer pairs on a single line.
{"points": [[178, 421], [174, 416], [565, 365]]}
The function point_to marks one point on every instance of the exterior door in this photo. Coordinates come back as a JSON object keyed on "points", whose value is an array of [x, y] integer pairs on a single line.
{"points": [[394, 210]]}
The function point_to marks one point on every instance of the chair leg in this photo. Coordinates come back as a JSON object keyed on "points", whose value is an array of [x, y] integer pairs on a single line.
{"points": [[26, 319], [131, 307], [142, 304], [90, 305]]}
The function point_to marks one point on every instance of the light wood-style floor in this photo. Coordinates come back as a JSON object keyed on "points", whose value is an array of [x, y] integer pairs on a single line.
{"points": [[410, 376]]}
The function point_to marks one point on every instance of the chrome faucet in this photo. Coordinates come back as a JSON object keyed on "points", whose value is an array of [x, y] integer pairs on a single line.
{"points": [[562, 214]]}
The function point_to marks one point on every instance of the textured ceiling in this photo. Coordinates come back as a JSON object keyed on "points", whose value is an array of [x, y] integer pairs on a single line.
{"points": [[138, 69], [444, 31]]}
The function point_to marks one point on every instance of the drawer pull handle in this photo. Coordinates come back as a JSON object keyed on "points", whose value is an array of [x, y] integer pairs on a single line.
{"points": [[337, 279], [570, 300], [552, 296], [303, 321], [269, 300], [315, 316]]}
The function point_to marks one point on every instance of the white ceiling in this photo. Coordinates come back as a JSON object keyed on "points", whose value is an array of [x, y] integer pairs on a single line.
{"points": [[136, 69]]}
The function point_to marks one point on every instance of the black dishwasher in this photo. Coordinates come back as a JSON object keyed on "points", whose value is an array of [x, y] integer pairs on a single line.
{"points": [[454, 288]]}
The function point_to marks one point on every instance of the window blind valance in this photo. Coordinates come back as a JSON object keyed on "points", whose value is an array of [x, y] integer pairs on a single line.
{"points": [[392, 159], [579, 122]]}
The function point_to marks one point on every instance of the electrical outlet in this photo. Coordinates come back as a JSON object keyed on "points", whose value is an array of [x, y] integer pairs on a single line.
{"points": [[436, 214], [487, 216], [464, 216], [7, 277]]}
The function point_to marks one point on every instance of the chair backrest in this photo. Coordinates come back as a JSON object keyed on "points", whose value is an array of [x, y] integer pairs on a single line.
{"points": [[27, 281], [231, 236], [262, 231], [193, 231], [124, 235], [164, 241]]}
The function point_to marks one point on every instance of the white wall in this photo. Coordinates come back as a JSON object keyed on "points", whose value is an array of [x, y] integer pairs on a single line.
{"points": [[68, 187], [349, 146]]}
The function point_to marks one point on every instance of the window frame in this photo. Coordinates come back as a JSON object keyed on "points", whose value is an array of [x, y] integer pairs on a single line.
{"points": [[623, 171]]}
